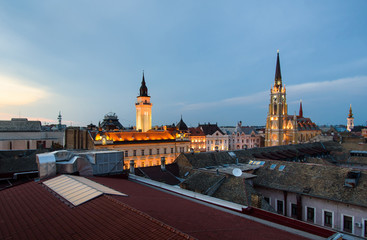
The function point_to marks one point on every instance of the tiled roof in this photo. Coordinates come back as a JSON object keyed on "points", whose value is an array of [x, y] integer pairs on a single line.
{"points": [[20, 125], [29, 211], [324, 181], [210, 129], [196, 132], [155, 173]]}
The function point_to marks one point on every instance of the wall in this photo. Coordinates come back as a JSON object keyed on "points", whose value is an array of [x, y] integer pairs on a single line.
{"points": [[337, 208], [28, 140]]}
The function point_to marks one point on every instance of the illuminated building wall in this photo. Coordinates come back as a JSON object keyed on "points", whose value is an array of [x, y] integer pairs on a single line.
{"points": [[143, 109]]}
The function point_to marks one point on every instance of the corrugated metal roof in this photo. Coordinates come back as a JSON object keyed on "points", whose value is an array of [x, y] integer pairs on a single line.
{"points": [[78, 190]]}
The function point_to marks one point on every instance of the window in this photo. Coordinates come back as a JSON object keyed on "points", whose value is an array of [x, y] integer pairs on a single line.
{"points": [[280, 206], [165, 150], [328, 219], [267, 199], [150, 151], [171, 150], [134, 153], [142, 152], [347, 224], [365, 228], [157, 150], [294, 210], [142, 164], [272, 166], [310, 214], [28, 144], [126, 153]]}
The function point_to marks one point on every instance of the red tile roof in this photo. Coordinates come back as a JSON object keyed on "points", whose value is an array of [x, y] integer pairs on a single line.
{"points": [[29, 211], [196, 219]]}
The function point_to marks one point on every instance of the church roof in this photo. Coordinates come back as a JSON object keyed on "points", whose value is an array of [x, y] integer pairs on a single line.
{"points": [[278, 75]]}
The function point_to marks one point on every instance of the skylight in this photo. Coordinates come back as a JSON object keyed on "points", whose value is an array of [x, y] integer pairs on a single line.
{"points": [[272, 167], [78, 190], [281, 167]]}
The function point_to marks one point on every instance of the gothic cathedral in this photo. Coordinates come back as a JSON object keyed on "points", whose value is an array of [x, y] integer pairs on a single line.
{"points": [[282, 129]]}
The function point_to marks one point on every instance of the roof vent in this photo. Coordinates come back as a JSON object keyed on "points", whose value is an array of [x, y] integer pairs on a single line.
{"points": [[352, 179]]}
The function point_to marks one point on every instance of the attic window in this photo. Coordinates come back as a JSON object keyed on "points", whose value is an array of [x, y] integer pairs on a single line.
{"points": [[281, 167], [272, 167]]}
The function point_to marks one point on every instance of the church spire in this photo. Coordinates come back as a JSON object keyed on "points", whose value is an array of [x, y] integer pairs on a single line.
{"points": [[350, 115], [143, 88], [300, 109], [278, 75]]}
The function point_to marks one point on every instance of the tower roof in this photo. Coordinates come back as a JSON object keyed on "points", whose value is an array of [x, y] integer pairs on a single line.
{"points": [[350, 115], [300, 110], [278, 75], [143, 88], [181, 126]]}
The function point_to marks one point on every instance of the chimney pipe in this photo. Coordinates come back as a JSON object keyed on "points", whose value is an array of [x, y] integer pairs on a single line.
{"points": [[163, 163], [132, 167]]}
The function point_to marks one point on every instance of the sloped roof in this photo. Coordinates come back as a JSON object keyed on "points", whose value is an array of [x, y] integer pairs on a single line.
{"points": [[181, 126], [210, 129], [205, 159], [196, 131], [20, 125], [43, 216], [157, 174], [201, 181], [323, 181]]}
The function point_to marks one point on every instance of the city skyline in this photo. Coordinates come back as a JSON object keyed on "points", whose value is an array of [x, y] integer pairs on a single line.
{"points": [[209, 62]]}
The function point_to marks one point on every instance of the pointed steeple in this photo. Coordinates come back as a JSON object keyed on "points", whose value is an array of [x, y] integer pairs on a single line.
{"points": [[350, 115], [300, 109], [143, 88], [278, 75]]}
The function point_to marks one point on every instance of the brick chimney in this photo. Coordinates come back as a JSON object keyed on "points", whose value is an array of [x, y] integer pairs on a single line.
{"points": [[163, 163]]}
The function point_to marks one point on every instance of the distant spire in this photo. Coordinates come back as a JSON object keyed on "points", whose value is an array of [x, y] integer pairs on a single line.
{"points": [[350, 115], [300, 109], [278, 75], [143, 88]]}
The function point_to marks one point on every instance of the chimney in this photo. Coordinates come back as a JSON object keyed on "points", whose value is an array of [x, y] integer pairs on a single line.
{"points": [[163, 163], [132, 168]]}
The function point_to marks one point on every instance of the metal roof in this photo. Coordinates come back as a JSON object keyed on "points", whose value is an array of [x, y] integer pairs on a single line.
{"points": [[78, 190]]}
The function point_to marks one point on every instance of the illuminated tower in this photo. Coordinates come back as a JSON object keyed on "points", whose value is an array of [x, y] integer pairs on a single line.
{"points": [[276, 122], [350, 120], [143, 109]]}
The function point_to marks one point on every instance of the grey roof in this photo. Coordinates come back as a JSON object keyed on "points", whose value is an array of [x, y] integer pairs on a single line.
{"points": [[323, 181], [20, 125]]}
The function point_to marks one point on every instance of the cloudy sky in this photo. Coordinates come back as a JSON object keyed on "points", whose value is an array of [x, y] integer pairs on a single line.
{"points": [[209, 61]]}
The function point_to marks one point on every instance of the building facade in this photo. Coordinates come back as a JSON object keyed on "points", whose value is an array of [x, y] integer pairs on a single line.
{"points": [[216, 139], [241, 137], [282, 129], [197, 139], [22, 134]]}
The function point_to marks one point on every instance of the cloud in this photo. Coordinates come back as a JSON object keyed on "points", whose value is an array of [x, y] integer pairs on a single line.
{"points": [[355, 85], [14, 92]]}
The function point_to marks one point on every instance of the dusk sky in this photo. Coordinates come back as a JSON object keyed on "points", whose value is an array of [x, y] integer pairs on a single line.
{"points": [[209, 61]]}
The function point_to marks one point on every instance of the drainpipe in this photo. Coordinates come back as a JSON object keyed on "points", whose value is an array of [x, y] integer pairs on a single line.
{"points": [[132, 167]]}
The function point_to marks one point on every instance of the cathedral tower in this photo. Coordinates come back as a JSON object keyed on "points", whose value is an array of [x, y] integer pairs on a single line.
{"points": [[276, 121], [350, 120], [143, 109]]}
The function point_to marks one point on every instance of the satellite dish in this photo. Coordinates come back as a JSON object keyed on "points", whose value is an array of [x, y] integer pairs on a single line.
{"points": [[237, 172]]}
